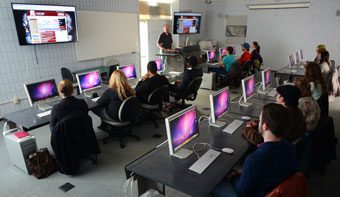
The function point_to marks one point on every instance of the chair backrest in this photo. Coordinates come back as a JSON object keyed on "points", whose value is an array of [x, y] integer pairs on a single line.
{"points": [[235, 69], [247, 66], [129, 109], [332, 64], [193, 87], [66, 74], [112, 62], [294, 186], [158, 95]]}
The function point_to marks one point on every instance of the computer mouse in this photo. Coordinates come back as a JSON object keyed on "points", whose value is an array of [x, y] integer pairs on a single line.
{"points": [[228, 150], [245, 118]]}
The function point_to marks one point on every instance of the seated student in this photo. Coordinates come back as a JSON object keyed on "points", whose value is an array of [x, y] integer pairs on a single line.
{"points": [[245, 56], [150, 81], [69, 105], [273, 162], [192, 72], [307, 104], [288, 96], [319, 49], [318, 87], [225, 64], [109, 103], [256, 57], [325, 64]]}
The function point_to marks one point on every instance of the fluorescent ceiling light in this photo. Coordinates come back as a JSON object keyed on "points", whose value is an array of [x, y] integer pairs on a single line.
{"points": [[279, 6]]}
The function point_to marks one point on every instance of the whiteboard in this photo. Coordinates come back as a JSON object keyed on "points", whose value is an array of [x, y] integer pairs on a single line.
{"points": [[103, 34]]}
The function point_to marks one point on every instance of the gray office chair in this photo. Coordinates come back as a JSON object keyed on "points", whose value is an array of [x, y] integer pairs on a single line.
{"points": [[122, 128], [67, 74], [191, 91], [155, 101]]}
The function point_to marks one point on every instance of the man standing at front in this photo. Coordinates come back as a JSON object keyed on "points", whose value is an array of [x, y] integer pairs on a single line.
{"points": [[165, 39]]}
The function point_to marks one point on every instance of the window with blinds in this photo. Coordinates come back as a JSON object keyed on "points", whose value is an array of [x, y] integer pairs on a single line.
{"points": [[160, 10]]}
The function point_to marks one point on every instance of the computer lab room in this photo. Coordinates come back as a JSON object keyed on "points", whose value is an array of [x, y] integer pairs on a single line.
{"points": [[169, 98]]}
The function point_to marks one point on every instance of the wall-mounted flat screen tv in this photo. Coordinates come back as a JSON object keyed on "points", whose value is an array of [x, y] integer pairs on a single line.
{"points": [[187, 23], [45, 24]]}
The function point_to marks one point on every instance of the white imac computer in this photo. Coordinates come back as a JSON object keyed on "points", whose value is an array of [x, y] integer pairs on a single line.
{"points": [[219, 105], [297, 57], [266, 81], [211, 56], [160, 66], [291, 61], [301, 55], [248, 89], [88, 82], [181, 128], [42, 92], [223, 52], [129, 71]]}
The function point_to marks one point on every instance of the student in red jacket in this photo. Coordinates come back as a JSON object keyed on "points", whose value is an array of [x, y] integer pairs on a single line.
{"points": [[246, 55]]}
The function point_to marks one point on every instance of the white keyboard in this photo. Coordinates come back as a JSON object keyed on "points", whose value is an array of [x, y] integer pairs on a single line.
{"points": [[233, 126], [43, 114], [95, 99], [203, 163], [272, 93]]}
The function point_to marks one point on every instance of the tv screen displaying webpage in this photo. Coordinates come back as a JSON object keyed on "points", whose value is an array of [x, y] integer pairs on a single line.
{"points": [[45, 24], [187, 23]]}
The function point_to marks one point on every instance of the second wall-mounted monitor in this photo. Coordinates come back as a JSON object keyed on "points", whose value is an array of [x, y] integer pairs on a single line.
{"points": [[187, 23]]}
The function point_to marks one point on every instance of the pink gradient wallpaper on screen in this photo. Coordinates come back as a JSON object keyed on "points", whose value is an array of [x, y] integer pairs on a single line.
{"points": [[223, 51], [43, 90], [221, 103], [129, 71], [89, 80], [250, 86], [183, 128], [267, 77], [159, 64], [211, 55]]}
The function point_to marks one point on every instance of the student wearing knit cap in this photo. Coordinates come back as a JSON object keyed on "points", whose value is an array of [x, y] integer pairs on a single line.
{"points": [[288, 96]]}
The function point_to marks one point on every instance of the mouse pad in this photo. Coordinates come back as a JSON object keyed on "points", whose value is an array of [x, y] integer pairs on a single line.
{"points": [[66, 187]]}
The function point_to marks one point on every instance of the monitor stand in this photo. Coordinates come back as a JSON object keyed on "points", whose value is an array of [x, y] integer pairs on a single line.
{"points": [[218, 123], [183, 153], [246, 104]]}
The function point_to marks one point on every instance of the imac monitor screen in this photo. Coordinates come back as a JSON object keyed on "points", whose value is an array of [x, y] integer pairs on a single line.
{"points": [[291, 60], [41, 90], [219, 103], [89, 80], [182, 127], [248, 87], [211, 55], [266, 78], [301, 54], [297, 56], [159, 65], [129, 71], [223, 52], [187, 23], [45, 24]]}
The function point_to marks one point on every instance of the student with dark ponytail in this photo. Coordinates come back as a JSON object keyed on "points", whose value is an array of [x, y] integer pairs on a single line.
{"points": [[256, 57]]}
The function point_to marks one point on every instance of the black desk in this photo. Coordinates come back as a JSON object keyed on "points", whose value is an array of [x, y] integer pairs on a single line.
{"points": [[27, 119], [157, 168]]}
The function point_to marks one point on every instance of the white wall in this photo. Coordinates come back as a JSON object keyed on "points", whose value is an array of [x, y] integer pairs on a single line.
{"points": [[18, 63], [281, 32]]}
